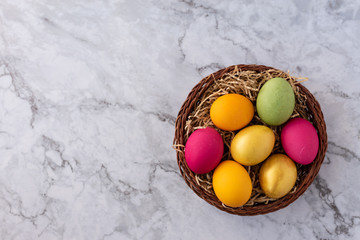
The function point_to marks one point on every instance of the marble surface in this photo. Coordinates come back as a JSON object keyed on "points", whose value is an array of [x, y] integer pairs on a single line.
{"points": [[89, 93]]}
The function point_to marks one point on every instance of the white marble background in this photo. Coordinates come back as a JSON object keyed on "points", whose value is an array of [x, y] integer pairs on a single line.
{"points": [[90, 89]]}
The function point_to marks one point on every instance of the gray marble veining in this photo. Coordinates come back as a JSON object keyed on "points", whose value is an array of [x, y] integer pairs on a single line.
{"points": [[89, 93]]}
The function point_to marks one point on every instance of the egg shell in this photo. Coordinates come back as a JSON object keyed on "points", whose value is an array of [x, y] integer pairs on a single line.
{"points": [[232, 184], [300, 140], [231, 112], [252, 145], [203, 150], [277, 175], [275, 102]]}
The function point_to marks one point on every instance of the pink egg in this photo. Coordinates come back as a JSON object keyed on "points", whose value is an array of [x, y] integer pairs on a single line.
{"points": [[204, 150], [300, 140]]}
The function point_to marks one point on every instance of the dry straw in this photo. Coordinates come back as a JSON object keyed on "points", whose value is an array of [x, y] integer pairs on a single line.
{"points": [[245, 80]]}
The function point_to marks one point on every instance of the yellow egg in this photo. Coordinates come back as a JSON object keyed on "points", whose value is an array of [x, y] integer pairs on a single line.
{"points": [[277, 176], [231, 112], [252, 145], [232, 183]]}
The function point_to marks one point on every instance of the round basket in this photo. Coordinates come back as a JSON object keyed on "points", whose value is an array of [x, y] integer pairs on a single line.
{"points": [[305, 178]]}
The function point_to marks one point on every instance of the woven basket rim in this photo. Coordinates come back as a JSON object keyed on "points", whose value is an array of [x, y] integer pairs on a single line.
{"points": [[189, 177]]}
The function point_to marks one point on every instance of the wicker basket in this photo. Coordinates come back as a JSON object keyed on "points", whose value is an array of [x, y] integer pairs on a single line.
{"points": [[305, 179]]}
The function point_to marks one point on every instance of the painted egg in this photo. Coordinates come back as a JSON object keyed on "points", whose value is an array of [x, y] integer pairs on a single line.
{"points": [[204, 150], [232, 183], [275, 102], [277, 176], [231, 112], [300, 140], [252, 145]]}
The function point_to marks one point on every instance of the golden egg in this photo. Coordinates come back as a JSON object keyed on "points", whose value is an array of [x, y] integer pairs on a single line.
{"points": [[252, 145], [277, 176]]}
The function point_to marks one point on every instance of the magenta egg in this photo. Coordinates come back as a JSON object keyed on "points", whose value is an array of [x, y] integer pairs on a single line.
{"points": [[204, 150], [300, 140]]}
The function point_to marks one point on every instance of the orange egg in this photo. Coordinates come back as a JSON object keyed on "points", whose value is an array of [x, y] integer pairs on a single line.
{"points": [[232, 184], [231, 112]]}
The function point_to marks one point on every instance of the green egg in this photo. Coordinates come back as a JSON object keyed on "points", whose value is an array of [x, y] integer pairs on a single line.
{"points": [[275, 102]]}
